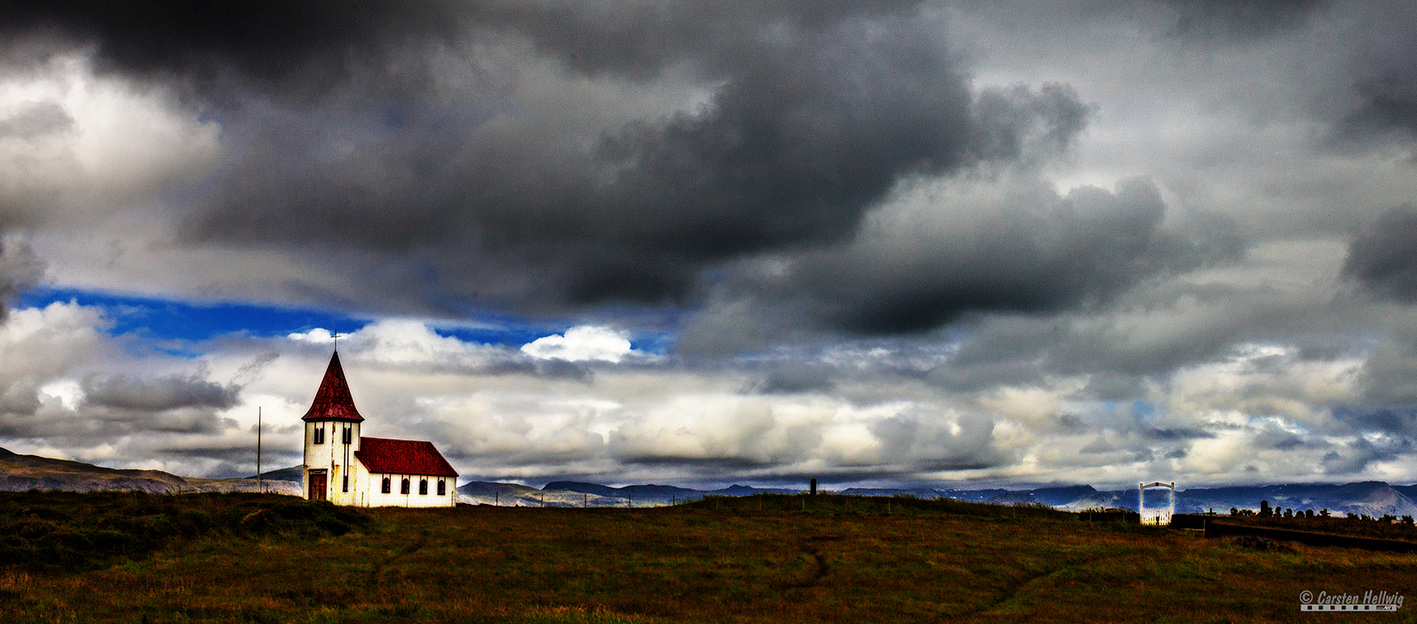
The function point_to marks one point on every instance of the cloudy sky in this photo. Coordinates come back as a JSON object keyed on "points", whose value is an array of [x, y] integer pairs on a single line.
{"points": [[882, 242]]}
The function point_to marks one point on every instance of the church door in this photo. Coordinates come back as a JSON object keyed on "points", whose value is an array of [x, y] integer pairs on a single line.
{"points": [[317, 485]]}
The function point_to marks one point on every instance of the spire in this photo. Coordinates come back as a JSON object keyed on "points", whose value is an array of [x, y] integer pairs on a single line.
{"points": [[333, 401]]}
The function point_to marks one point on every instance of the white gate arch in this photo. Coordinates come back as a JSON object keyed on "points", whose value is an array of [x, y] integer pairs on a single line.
{"points": [[1156, 517]]}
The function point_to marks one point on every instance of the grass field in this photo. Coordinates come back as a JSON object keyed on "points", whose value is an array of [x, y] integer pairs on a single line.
{"points": [[248, 558]]}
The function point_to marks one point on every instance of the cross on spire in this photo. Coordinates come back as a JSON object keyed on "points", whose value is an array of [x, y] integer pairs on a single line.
{"points": [[336, 341]]}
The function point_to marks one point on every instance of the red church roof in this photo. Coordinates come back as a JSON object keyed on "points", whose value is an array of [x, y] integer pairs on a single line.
{"points": [[410, 457], [333, 401]]}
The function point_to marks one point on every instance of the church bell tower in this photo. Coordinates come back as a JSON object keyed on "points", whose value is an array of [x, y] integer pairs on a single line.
{"points": [[331, 439]]}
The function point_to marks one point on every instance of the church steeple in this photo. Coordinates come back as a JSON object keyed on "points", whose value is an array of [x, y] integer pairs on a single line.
{"points": [[333, 401]]}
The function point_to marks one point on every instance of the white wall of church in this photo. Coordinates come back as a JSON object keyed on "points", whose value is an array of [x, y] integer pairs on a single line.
{"points": [[374, 485], [333, 456]]}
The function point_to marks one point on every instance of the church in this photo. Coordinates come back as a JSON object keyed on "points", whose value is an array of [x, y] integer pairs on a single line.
{"points": [[346, 468]]}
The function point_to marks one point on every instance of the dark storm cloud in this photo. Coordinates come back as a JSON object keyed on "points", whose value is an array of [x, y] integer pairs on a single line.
{"points": [[638, 39], [219, 48], [156, 394], [117, 406], [1401, 421], [1079, 251], [20, 269], [1380, 80], [818, 109], [814, 121], [1174, 434], [1383, 257], [1389, 375], [1386, 104], [791, 380], [1354, 458], [1240, 19]]}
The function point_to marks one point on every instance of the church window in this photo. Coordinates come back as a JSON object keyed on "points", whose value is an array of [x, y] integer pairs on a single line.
{"points": [[348, 435], [442, 488], [319, 434], [403, 489], [388, 485], [346, 482], [422, 487]]}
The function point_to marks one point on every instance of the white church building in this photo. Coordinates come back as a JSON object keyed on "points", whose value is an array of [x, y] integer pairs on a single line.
{"points": [[346, 468]]}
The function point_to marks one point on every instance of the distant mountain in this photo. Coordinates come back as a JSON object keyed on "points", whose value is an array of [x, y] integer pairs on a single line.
{"points": [[651, 491], [20, 473], [580, 488], [648, 494], [488, 488], [1059, 496], [1374, 498], [293, 473], [748, 490], [917, 492], [1015, 498], [286, 481], [579, 493], [491, 493], [250, 484]]}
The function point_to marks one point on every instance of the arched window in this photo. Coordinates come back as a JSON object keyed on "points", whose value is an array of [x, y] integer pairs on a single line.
{"points": [[388, 485], [422, 487], [320, 433], [403, 489], [442, 488]]}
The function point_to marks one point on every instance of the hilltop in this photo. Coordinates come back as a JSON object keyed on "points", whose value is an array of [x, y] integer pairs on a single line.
{"points": [[763, 558], [21, 473]]}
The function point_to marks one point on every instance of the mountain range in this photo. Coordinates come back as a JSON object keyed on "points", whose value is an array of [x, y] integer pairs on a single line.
{"points": [[20, 473], [1374, 498], [578, 494]]}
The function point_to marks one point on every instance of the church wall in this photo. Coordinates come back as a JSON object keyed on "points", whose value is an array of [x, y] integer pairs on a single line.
{"points": [[332, 456], [394, 498]]}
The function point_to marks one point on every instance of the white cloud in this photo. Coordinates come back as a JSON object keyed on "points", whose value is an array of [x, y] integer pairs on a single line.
{"points": [[581, 343], [103, 144], [319, 335]]}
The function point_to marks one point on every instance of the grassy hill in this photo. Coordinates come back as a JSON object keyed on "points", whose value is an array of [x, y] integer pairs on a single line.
{"points": [[766, 558], [20, 473]]}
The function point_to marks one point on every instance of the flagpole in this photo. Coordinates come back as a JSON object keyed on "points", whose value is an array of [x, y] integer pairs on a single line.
{"points": [[259, 484]]}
